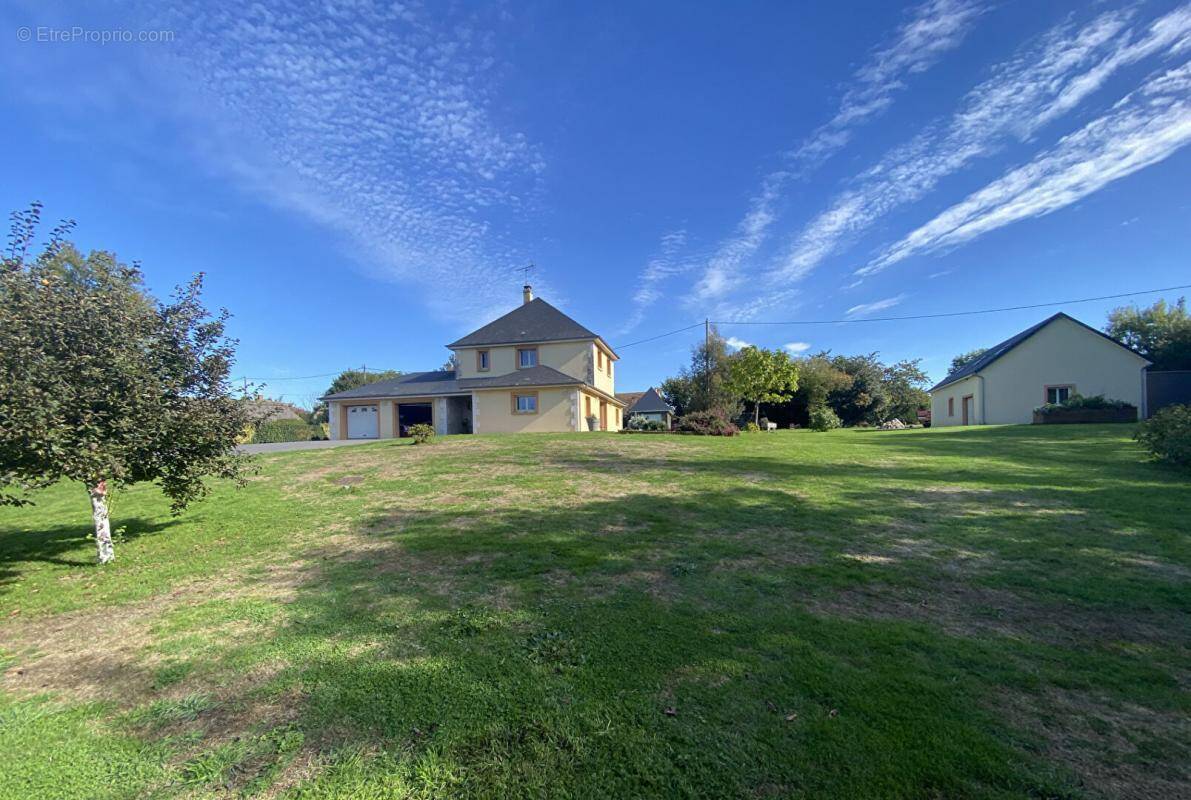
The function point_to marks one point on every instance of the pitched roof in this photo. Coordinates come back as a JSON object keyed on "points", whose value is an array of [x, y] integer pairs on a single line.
{"points": [[535, 321], [413, 384], [424, 384], [540, 375], [628, 398], [996, 351], [650, 402]]}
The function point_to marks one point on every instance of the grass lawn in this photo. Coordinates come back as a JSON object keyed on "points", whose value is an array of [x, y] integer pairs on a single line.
{"points": [[981, 612]]}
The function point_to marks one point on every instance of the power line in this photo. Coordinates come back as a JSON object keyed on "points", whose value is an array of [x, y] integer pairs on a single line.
{"points": [[953, 313], [659, 336]]}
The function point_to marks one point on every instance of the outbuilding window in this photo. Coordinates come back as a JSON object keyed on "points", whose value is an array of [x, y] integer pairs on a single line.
{"points": [[951, 406], [1059, 394]]}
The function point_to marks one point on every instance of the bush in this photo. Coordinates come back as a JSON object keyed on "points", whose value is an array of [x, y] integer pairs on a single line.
{"points": [[752, 427], [707, 423], [1077, 402], [286, 430], [1167, 435], [638, 423], [823, 418], [421, 433]]}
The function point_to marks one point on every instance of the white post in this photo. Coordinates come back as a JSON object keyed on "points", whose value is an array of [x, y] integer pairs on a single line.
{"points": [[103, 525]]}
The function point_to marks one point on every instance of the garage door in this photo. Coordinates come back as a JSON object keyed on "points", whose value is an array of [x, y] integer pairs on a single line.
{"points": [[363, 422]]}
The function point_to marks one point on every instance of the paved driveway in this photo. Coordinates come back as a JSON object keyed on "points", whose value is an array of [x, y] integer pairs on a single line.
{"points": [[285, 447]]}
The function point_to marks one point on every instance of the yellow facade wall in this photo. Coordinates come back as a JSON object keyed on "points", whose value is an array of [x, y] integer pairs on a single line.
{"points": [[492, 411], [615, 421]]}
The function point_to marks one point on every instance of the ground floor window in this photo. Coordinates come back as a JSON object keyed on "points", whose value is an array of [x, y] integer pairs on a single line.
{"points": [[525, 403], [1059, 394]]}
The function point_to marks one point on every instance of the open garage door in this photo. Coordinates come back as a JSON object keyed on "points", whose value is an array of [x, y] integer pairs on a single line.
{"points": [[363, 422], [413, 414]]}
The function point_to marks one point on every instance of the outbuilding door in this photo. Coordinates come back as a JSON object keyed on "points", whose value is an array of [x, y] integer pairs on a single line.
{"points": [[969, 414], [363, 422]]}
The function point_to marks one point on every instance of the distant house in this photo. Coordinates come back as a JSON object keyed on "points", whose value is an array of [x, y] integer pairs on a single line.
{"points": [[1047, 363], [533, 370], [649, 405]]}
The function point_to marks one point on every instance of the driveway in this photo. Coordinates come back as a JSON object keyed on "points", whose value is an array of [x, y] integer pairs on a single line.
{"points": [[285, 447]]}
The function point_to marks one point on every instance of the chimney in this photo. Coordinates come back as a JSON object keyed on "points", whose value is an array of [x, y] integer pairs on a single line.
{"points": [[526, 293]]}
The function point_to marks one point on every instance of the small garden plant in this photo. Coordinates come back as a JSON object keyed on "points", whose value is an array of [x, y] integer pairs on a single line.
{"points": [[1167, 435], [823, 418], [421, 433]]}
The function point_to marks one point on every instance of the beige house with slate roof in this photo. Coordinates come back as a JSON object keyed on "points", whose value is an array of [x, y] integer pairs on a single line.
{"points": [[533, 370]]}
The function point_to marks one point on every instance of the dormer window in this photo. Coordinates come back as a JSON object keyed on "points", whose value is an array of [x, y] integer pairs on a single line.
{"points": [[527, 358], [482, 361]]}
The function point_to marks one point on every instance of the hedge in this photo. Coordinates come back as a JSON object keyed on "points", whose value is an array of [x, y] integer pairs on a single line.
{"points": [[286, 430]]}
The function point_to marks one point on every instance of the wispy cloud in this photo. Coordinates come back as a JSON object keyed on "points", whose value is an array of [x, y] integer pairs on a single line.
{"points": [[666, 263], [1045, 80], [797, 347], [374, 121], [932, 29], [1145, 127], [736, 344], [864, 309]]}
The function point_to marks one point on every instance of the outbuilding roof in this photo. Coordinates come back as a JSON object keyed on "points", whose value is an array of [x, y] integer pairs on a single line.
{"points": [[996, 351], [535, 321], [650, 402]]}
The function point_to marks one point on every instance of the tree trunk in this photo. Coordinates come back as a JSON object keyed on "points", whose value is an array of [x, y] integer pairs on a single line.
{"points": [[757, 413], [103, 525]]}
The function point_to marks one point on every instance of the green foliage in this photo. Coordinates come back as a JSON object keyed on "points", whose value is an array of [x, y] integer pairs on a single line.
{"points": [[350, 379], [823, 418], [762, 376], [1077, 402], [1167, 435], [707, 423], [752, 427], [864, 398], [905, 384], [704, 385], [638, 423], [421, 433], [100, 382], [286, 430], [963, 359], [1161, 333], [679, 393]]}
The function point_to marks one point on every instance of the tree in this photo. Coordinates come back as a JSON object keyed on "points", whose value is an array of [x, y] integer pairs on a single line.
{"points": [[706, 378], [678, 393], [963, 359], [102, 384], [904, 384], [865, 396], [817, 379], [350, 379], [762, 376], [452, 363], [1161, 333]]}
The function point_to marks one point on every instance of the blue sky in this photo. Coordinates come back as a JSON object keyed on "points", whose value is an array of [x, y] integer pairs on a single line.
{"points": [[359, 181]]}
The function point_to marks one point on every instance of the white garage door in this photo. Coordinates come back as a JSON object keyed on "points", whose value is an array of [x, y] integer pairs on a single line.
{"points": [[362, 422]]}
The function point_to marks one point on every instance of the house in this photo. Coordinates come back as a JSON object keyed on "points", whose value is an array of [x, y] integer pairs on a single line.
{"points": [[650, 405], [1047, 363], [533, 370]]}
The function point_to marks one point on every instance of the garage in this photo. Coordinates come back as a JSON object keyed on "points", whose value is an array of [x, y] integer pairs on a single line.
{"points": [[363, 422], [413, 414]]}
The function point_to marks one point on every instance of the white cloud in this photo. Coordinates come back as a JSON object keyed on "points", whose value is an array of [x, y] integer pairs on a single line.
{"points": [[1046, 79], [1145, 127], [797, 347], [736, 344], [865, 309], [375, 122], [665, 264], [932, 28]]}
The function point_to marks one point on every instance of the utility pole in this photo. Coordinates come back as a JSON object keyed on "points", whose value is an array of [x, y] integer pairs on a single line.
{"points": [[707, 360]]}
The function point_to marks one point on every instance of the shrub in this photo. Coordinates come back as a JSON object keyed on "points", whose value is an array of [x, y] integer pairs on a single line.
{"points": [[707, 423], [1079, 402], [752, 427], [421, 433], [285, 430], [638, 423], [1167, 435], [823, 418]]}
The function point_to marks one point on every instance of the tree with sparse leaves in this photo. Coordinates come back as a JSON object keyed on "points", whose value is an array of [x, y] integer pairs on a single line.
{"points": [[1161, 333], [102, 384], [963, 359], [762, 376]]}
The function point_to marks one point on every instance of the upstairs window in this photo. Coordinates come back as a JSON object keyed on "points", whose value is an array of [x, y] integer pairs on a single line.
{"points": [[599, 359], [481, 360], [1059, 394], [527, 358]]}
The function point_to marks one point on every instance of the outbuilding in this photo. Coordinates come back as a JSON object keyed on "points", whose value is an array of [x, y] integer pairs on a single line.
{"points": [[1047, 363]]}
